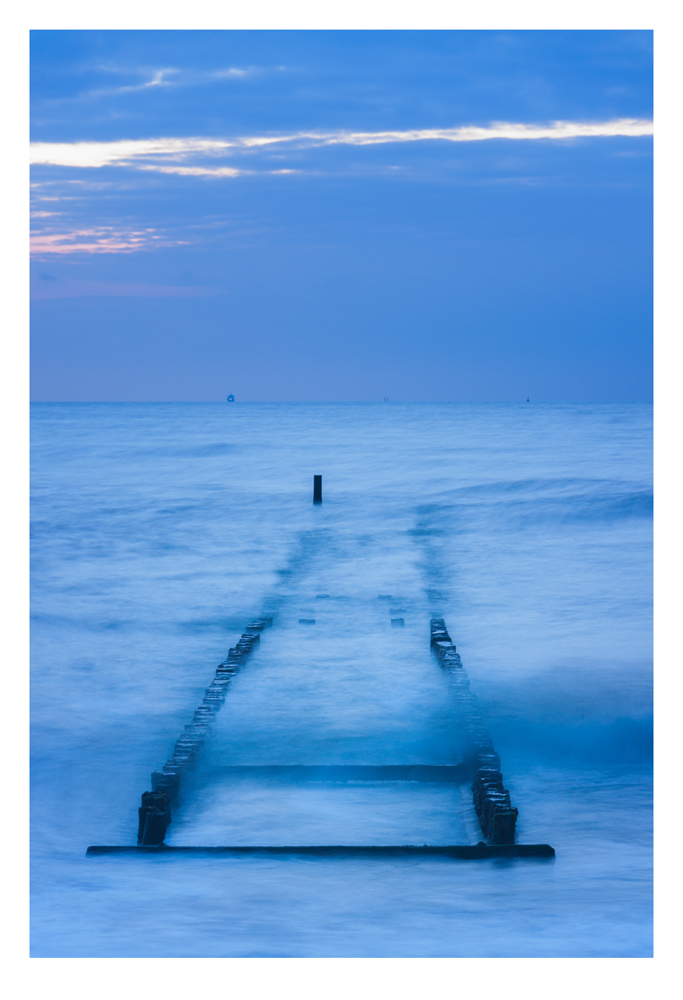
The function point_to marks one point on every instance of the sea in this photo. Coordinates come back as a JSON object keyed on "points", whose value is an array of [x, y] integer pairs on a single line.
{"points": [[160, 529]]}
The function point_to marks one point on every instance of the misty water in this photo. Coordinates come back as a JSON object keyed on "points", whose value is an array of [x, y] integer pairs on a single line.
{"points": [[160, 530]]}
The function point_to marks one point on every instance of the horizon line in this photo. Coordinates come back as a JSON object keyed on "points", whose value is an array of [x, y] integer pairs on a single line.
{"points": [[344, 402]]}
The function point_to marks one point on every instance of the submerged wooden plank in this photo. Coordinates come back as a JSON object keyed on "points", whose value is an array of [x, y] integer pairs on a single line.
{"points": [[457, 773]]}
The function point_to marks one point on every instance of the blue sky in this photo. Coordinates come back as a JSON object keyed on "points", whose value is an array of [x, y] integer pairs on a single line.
{"points": [[334, 215]]}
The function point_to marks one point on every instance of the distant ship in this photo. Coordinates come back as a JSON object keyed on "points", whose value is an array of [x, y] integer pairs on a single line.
{"points": [[231, 398]]}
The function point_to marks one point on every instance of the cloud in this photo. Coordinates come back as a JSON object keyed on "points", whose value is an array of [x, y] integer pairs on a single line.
{"points": [[157, 79], [49, 288], [500, 130], [211, 171], [198, 171], [103, 240], [126, 151], [134, 152], [226, 74], [234, 72]]}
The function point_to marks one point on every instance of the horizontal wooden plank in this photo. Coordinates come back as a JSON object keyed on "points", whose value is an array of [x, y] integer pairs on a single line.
{"points": [[462, 851]]}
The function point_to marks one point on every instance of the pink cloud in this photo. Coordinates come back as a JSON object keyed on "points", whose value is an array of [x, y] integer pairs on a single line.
{"points": [[105, 240]]}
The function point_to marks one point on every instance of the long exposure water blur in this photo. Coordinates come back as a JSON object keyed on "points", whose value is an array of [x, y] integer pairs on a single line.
{"points": [[159, 530]]}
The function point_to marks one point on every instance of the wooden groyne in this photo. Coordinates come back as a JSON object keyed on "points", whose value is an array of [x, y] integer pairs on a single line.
{"points": [[480, 764], [155, 810], [497, 816]]}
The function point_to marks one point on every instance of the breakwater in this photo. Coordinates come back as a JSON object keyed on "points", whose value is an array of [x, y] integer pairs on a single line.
{"points": [[496, 814], [480, 763], [155, 809]]}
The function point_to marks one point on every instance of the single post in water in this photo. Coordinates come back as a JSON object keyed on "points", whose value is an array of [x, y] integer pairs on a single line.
{"points": [[317, 489]]}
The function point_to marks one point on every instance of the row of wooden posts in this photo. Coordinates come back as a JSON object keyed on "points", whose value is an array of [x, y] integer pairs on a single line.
{"points": [[496, 814], [155, 810]]}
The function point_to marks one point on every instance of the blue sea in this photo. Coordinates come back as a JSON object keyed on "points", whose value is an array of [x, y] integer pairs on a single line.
{"points": [[160, 530]]}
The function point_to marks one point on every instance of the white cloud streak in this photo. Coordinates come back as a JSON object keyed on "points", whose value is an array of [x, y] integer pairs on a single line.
{"points": [[105, 154], [196, 171], [132, 152], [158, 79], [226, 74], [210, 171]]}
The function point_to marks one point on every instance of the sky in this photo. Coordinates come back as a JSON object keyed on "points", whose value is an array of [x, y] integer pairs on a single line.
{"points": [[341, 215]]}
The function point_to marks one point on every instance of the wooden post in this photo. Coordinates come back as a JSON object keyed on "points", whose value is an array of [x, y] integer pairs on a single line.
{"points": [[155, 815], [317, 489]]}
